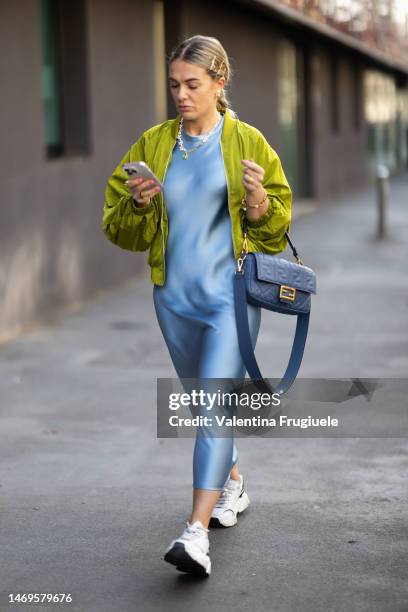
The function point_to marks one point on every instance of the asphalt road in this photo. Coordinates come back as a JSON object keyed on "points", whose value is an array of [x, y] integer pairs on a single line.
{"points": [[90, 497]]}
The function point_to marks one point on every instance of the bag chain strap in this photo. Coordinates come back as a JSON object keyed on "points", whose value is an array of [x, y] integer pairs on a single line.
{"points": [[244, 250]]}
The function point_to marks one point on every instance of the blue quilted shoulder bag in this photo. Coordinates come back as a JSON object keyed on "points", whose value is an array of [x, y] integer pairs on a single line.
{"points": [[271, 282]]}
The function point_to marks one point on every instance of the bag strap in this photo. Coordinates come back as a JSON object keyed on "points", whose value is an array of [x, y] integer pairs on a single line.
{"points": [[244, 335], [246, 348]]}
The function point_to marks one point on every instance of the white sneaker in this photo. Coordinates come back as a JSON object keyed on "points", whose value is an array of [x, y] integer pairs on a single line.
{"points": [[190, 552], [232, 501]]}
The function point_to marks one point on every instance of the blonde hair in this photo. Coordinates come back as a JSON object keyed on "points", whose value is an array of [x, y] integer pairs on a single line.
{"points": [[207, 52]]}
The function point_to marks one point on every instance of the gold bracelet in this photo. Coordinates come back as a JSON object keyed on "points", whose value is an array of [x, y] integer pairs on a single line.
{"points": [[245, 204]]}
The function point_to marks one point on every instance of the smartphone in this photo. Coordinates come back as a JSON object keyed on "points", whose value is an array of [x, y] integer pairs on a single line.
{"points": [[142, 170]]}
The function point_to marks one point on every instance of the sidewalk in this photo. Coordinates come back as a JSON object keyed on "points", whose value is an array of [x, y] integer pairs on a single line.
{"points": [[90, 497]]}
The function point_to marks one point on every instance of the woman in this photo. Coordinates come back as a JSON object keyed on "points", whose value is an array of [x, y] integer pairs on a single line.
{"points": [[215, 169]]}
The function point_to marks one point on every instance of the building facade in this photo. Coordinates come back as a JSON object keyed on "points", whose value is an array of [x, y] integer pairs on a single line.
{"points": [[83, 79]]}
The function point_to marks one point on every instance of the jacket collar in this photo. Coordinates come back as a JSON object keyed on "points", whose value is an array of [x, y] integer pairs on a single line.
{"points": [[227, 129]]}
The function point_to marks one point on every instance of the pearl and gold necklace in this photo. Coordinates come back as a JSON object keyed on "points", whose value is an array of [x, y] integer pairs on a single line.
{"points": [[185, 152]]}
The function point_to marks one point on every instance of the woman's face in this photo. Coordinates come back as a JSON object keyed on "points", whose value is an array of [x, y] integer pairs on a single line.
{"points": [[193, 90]]}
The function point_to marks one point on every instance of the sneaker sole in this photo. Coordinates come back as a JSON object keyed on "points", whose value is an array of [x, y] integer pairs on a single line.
{"points": [[184, 563], [242, 504]]}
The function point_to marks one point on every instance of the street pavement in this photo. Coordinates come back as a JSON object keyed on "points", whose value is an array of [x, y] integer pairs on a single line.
{"points": [[90, 497]]}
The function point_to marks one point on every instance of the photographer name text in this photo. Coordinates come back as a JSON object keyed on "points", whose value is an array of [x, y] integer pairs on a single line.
{"points": [[254, 421]]}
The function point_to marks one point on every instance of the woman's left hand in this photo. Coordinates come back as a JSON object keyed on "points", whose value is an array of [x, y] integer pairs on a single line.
{"points": [[253, 176]]}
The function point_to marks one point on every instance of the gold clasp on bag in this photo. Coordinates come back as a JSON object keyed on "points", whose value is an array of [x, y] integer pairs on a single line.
{"points": [[287, 293], [240, 263]]}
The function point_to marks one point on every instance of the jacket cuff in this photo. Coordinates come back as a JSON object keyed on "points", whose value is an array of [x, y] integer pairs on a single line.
{"points": [[141, 210], [264, 218]]}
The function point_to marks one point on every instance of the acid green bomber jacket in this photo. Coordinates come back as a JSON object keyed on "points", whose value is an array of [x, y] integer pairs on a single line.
{"points": [[138, 229]]}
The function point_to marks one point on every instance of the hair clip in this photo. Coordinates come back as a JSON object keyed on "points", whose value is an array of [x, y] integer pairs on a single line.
{"points": [[212, 67]]}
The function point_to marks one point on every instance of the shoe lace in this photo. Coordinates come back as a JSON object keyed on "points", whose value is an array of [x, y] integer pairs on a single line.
{"points": [[224, 498]]}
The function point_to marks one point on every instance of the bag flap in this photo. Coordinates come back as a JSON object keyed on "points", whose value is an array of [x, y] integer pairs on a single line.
{"points": [[273, 269]]}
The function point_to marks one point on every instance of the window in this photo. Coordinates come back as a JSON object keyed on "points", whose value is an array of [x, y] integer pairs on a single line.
{"points": [[51, 78], [289, 86], [64, 78], [380, 107]]}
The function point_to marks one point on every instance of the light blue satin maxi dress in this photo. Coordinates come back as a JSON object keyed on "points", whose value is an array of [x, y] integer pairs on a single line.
{"points": [[195, 306]]}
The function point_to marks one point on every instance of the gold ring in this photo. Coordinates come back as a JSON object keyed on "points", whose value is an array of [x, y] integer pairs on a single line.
{"points": [[250, 179]]}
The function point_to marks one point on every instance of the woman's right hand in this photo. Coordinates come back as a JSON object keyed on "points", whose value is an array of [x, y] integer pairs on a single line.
{"points": [[142, 190]]}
